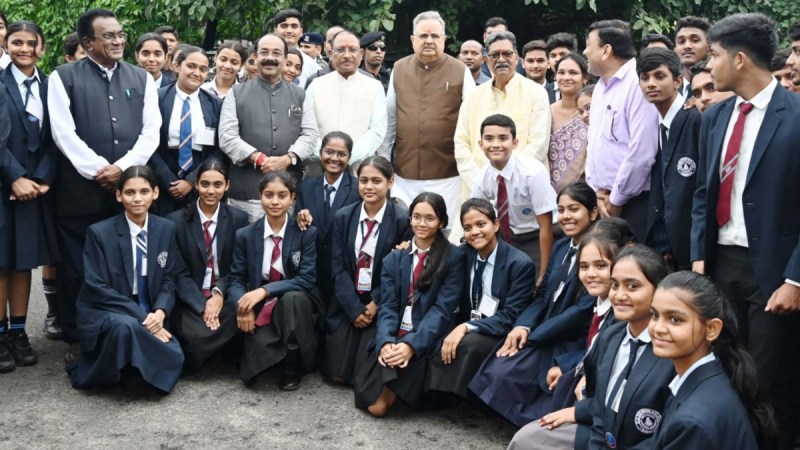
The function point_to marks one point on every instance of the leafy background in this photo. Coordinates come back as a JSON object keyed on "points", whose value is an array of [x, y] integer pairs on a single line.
{"points": [[206, 22]]}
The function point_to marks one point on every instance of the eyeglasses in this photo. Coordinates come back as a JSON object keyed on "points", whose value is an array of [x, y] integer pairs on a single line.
{"points": [[375, 48], [123, 36], [429, 220], [329, 152], [343, 50], [506, 54], [426, 36]]}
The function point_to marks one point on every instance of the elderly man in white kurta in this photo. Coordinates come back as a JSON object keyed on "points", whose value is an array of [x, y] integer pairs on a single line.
{"points": [[349, 101]]}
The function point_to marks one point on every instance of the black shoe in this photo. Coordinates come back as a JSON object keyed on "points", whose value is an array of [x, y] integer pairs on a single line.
{"points": [[6, 360], [289, 380], [21, 349], [51, 327]]}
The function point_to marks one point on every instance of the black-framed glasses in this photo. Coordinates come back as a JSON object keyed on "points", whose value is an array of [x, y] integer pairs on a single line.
{"points": [[109, 37], [506, 54], [375, 48]]}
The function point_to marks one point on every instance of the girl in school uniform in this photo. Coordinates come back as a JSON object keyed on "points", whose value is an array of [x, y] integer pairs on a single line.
{"points": [[130, 263], [272, 285], [513, 381], [715, 400], [27, 170], [151, 55], [363, 234], [500, 283], [421, 288], [227, 63], [206, 229], [190, 117], [319, 198]]}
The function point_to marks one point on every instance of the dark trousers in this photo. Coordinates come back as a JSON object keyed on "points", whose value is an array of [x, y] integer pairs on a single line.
{"points": [[772, 340], [529, 244], [71, 239], [635, 213]]}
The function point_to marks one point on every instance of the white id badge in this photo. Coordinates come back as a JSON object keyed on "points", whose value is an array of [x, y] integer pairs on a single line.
{"points": [[488, 305], [406, 324], [207, 278], [365, 279], [618, 397], [206, 136], [475, 315], [370, 245], [143, 269]]}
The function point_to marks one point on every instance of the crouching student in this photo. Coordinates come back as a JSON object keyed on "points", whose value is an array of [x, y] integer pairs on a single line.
{"points": [[272, 287], [500, 284], [420, 290], [363, 234], [130, 262], [205, 229]]}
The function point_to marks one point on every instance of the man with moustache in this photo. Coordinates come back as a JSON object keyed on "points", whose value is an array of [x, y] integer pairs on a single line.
{"points": [[349, 101], [471, 55], [264, 128], [691, 45], [374, 46], [104, 117]]}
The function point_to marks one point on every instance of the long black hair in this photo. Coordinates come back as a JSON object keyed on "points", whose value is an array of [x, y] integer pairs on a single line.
{"points": [[700, 294], [436, 261], [190, 210]]}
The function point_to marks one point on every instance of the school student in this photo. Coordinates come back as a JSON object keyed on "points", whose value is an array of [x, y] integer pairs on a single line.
{"points": [[27, 170], [190, 117], [715, 400], [293, 67], [73, 50], [205, 229], [363, 234], [421, 288], [151, 55], [500, 284], [319, 198], [673, 178], [130, 263], [520, 191], [228, 61], [513, 380], [272, 285], [5, 60]]}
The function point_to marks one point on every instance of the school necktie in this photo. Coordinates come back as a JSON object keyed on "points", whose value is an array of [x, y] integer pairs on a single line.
{"points": [[33, 138], [265, 316], [626, 371], [729, 166], [502, 209], [477, 284], [209, 256], [185, 135], [141, 278], [594, 328], [412, 287], [364, 260], [328, 196]]}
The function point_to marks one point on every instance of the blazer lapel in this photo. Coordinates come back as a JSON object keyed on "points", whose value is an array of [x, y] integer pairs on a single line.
{"points": [[342, 192], [668, 149], [317, 203], [256, 253], [154, 246], [642, 368], [772, 120], [167, 103], [354, 227], [288, 248], [386, 230], [16, 98], [196, 230], [207, 108], [223, 222], [499, 286], [43, 96], [126, 248], [405, 278], [718, 138]]}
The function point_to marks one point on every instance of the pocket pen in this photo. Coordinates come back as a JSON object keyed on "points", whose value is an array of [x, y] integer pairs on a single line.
{"points": [[446, 86], [128, 93]]}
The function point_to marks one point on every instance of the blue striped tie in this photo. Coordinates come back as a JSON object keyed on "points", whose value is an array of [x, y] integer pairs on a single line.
{"points": [[185, 147], [141, 280]]}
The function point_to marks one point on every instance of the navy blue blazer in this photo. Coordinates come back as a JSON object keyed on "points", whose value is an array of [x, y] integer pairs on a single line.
{"points": [[345, 305], [673, 180], [165, 160], [109, 276], [706, 413], [513, 283], [434, 310], [5, 130], [311, 196], [550, 87], [192, 245], [643, 400], [24, 158], [298, 253], [770, 196]]}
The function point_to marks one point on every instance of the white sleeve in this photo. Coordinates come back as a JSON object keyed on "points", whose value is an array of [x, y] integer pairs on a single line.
{"points": [[83, 158], [308, 141], [543, 197], [385, 149], [469, 84], [229, 140], [371, 141], [149, 137]]}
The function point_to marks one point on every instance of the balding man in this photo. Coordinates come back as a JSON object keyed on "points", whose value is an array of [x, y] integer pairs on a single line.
{"points": [[471, 55]]}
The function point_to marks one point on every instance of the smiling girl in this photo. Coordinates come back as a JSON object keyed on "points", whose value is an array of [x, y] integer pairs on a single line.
{"points": [[151, 54], [227, 63], [293, 67]]}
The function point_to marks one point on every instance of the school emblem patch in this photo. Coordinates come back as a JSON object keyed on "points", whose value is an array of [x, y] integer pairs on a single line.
{"points": [[686, 166], [527, 211], [162, 259], [296, 258], [647, 420]]}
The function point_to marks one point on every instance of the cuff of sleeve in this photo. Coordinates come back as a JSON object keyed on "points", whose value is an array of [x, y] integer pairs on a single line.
{"points": [[215, 290], [618, 199], [792, 282], [470, 327]]}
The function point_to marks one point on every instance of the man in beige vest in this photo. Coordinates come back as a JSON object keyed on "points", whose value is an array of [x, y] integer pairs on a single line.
{"points": [[349, 101], [508, 93], [425, 94]]}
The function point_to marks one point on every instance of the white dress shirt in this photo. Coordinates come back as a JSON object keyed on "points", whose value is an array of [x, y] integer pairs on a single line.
{"points": [[198, 120], [362, 228], [35, 105], [212, 230], [677, 382], [269, 244], [677, 105], [5, 60], [135, 230], [623, 353], [84, 159], [487, 278], [335, 185]]}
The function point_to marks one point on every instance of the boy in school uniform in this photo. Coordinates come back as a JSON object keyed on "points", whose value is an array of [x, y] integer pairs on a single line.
{"points": [[521, 193], [673, 177]]}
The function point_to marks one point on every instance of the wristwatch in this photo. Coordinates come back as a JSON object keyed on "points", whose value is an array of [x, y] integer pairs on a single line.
{"points": [[293, 158]]}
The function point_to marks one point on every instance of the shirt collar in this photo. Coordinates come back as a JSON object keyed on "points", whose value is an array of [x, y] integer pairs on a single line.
{"points": [[105, 70], [507, 171], [492, 256], [20, 77], [602, 306], [203, 218], [677, 105], [643, 337], [621, 72], [677, 382], [336, 183], [760, 100], [268, 229], [378, 217], [134, 229], [183, 95], [414, 249]]}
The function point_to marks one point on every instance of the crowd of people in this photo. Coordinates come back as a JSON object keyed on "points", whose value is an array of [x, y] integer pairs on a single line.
{"points": [[602, 247]]}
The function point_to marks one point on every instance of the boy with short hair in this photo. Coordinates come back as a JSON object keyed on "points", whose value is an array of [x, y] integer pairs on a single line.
{"points": [[519, 191]]}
